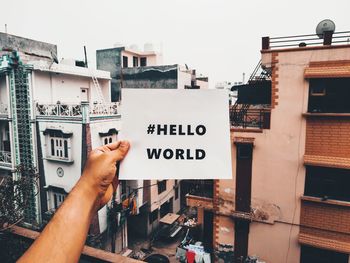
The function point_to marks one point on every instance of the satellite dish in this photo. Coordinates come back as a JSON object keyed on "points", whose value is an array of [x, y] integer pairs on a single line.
{"points": [[324, 25]]}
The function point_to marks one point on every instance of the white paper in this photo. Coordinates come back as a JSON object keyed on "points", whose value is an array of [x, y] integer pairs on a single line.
{"points": [[176, 115]]}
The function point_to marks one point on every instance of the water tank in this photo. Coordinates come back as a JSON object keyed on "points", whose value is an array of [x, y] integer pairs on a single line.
{"points": [[148, 47], [134, 47], [118, 44]]}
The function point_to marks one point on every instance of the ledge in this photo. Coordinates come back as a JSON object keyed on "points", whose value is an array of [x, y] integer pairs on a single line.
{"points": [[58, 160], [327, 161], [201, 198], [97, 254], [317, 114], [246, 130], [328, 201], [307, 48]]}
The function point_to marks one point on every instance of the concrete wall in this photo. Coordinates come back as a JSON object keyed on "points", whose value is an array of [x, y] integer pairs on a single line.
{"points": [[30, 47], [184, 79], [52, 87], [157, 77], [202, 84], [109, 60]]}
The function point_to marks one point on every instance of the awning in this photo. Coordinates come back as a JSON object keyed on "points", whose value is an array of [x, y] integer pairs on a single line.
{"points": [[328, 69], [169, 219]]}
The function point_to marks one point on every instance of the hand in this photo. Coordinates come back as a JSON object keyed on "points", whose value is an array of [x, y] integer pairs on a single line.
{"points": [[100, 170]]}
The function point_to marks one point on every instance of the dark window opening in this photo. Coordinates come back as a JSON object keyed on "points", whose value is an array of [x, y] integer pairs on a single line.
{"points": [[329, 95], [254, 93], [328, 183], [52, 147], [166, 208], [176, 193], [125, 62], [244, 151], [135, 61], [161, 186], [203, 188], [65, 149], [143, 62], [153, 216], [312, 254]]}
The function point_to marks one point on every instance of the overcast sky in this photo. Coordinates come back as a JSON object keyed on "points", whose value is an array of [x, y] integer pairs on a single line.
{"points": [[219, 38]]}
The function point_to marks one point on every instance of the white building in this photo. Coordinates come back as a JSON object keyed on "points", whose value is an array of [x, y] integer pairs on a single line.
{"points": [[51, 116]]}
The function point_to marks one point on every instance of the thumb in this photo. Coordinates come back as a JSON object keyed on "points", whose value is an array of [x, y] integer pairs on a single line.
{"points": [[119, 153]]}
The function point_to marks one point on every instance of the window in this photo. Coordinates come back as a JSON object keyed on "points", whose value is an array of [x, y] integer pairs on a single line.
{"points": [[176, 192], [135, 61], [153, 216], [125, 62], [329, 183], [58, 199], [107, 139], [143, 62], [59, 148], [329, 95], [161, 186], [312, 254]]}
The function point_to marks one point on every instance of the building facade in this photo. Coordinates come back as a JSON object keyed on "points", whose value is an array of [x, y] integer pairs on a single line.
{"points": [[52, 114], [289, 198]]}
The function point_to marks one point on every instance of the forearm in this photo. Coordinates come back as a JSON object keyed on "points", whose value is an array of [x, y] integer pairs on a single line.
{"points": [[63, 238]]}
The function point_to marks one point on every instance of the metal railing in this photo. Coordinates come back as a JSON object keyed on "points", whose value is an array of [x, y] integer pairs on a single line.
{"points": [[328, 38], [250, 118], [3, 109], [76, 110], [5, 157]]}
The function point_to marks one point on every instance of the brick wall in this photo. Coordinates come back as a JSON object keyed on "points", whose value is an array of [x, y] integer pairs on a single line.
{"points": [[274, 80], [325, 225], [329, 137]]}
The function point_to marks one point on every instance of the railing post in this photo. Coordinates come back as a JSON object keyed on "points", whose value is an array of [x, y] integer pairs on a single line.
{"points": [[265, 43], [327, 38], [85, 110]]}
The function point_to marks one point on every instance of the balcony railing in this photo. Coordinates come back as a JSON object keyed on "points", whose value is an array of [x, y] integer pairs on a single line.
{"points": [[250, 118], [5, 157], [3, 109], [76, 110], [104, 109], [59, 110], [328, 38]]}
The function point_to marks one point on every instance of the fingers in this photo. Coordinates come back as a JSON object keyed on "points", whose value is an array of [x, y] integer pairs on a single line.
{"points": [[120, 152], [113, 146]]}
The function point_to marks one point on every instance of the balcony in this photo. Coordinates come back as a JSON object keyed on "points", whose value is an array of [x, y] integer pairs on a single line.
{"points": [[104, 109], [76, 110], [244, 118], [59, 110], [325, 224], [5, 159]]}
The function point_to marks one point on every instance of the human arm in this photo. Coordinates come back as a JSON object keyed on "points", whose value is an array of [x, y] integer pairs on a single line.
{"points": [[62, 240]]}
